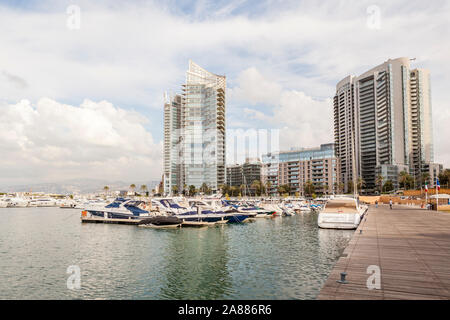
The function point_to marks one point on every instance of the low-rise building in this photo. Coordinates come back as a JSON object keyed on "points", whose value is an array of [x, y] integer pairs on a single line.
{"points": [[295, 168], [244, 174]]}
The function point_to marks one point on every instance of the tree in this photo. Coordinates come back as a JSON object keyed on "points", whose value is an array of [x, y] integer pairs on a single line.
{"points": [[309, 188], [287, 188], [175, 190], [379, 182], [192, 190], [144, 188], [425, 178], [341, 187], [185, 189], [268, 187], [204, 188], [403, 179], [106, 189], [256, 186], [444, 177], [325, 188], [350, 186], [388, 186], [242, 189], [360, 184], [132, 187]]}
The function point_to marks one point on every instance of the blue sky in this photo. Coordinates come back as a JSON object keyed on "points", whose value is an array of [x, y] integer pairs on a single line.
{"points": [[282, 60]]}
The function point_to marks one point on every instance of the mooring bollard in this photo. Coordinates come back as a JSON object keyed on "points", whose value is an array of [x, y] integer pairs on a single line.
{"points": [[343, 274]]}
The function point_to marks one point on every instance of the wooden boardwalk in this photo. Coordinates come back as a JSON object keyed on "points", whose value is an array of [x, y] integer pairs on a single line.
{"points": [[411, 247]]}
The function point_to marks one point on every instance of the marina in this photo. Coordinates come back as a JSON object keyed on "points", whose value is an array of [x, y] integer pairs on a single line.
{"points": [[285, 237], [279, 258]]}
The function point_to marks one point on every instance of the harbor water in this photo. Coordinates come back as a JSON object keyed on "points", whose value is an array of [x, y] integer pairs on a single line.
{"points": [[278, 258]]}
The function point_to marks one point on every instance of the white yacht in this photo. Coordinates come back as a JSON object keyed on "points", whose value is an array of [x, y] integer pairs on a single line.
{"points": [[3, 203], [341, 213], [42, 202], [17, 202]]}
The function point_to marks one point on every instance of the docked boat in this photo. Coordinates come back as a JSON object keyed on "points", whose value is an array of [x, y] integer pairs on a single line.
{"points": [[16, 202], [42, 202], [160, 222], [246, 208], [121, 208], [341, 213], [200, 213]]}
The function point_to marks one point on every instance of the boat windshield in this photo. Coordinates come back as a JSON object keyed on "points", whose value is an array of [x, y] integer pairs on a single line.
{"points": [[340, 206]]}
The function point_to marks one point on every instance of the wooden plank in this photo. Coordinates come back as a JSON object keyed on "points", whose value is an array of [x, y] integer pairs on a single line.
{"points": [[412, 248]]}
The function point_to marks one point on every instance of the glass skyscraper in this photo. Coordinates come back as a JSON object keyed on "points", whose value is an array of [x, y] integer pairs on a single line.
{"points": [[198, 156]]}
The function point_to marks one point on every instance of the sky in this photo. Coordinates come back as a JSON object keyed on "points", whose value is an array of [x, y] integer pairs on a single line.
{"points": [[82, 82]]}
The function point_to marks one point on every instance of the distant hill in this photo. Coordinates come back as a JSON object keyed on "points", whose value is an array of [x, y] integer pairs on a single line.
{"points": [[77, 186]]}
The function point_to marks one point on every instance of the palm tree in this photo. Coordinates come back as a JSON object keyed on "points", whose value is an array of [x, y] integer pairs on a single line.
{"points": [[379, 182], [341, 187], [309, 188], [192, 190], [403, 178], [325, 188], [361, 183], [388, 186], [106, 189], [242, 189], [204, 187], [143, 188], [425, 178], [281, 189], [256, 186], [268, 187], [132, 187]]}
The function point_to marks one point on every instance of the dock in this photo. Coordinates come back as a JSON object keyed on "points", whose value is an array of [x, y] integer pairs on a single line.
{"points": [[136, 222], [109, 220], [411, 247]]}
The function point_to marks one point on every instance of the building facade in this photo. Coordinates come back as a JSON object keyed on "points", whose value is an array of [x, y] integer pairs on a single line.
{"points": [[295, 168], [382, 124], [194, 132], [244, 174]]}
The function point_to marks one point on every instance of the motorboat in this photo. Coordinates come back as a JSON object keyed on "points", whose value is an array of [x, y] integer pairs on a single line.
{"points": [[199, 212], [16, 202], [42, 202], [160, 222], [341, 213], [247, 208], [121, 208]]}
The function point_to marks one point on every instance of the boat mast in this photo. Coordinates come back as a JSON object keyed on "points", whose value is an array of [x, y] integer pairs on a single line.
{"points": [[355, 190]]}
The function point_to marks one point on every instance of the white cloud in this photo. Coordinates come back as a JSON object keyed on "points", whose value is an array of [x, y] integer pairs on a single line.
{"points": [[129, 53], [51, 141], [303, 120]]}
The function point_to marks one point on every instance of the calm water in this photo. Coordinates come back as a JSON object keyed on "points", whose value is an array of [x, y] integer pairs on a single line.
{"points": [[281, 258]]}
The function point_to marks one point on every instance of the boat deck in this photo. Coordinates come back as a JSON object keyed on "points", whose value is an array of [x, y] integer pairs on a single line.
{"points": [[410, 246]]}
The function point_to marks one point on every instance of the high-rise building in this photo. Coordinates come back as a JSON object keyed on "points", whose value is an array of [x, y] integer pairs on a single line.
{"points": [[382, 124], [194, 132], [172, 135], [320, 166]]}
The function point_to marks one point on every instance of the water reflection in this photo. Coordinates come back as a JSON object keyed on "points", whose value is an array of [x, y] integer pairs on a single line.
{"points": [[280, 258], [195, 264]]}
